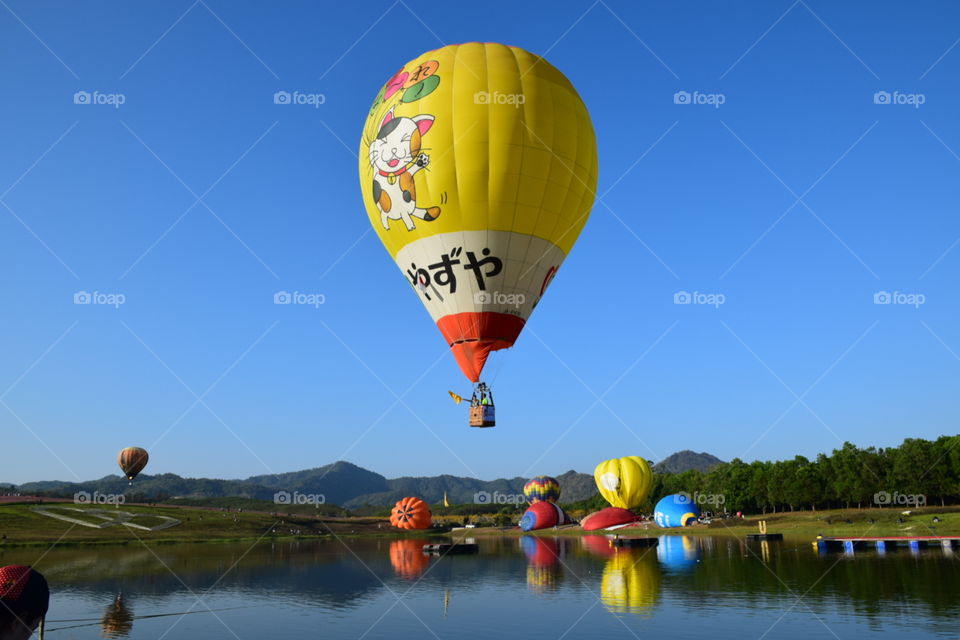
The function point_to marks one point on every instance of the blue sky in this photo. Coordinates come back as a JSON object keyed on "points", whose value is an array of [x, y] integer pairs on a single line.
{"points": [[797, 199]]}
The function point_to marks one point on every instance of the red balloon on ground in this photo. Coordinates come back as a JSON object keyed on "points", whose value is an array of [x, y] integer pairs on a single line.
{"points": [[543, 515], [609, 517]]}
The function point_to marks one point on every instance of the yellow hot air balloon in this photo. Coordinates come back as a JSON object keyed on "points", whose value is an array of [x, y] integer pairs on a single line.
{"points": [[478, 166], [624, 482]]}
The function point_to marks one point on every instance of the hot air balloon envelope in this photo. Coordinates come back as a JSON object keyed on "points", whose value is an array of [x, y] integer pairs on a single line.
{"points": [[411, 513], [543, 515], [676, 510], [478, 168], [132, 460], [624, 482], [609, 517], [542, 488]]}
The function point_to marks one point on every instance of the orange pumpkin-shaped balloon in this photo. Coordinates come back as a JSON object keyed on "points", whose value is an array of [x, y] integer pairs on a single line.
{"points": [[411, 513]]}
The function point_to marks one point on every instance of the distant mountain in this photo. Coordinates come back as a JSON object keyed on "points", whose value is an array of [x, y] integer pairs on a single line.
{"points": [[345, 484], [341, 483], [687, 460], [575, 486]]}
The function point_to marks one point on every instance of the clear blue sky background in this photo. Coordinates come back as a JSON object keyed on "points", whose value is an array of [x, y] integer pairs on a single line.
{"points": [[694, 198]]}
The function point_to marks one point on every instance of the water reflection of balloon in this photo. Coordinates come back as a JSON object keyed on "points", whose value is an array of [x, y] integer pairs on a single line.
{"points": [[598, 545], [408, 558], [543, 562], [631, 582], [679, 553], [117, 620]]}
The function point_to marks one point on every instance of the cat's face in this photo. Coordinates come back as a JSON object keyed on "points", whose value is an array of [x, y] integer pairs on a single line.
{"points": [[398, 142]]}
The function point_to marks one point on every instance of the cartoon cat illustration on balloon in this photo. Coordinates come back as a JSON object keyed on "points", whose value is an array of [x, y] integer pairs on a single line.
{"points": [[395, 155]]}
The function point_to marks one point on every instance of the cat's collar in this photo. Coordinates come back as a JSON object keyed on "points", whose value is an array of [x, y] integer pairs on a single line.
{"points": [[392, 174]]}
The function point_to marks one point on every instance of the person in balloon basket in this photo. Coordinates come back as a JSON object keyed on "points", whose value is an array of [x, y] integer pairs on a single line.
{"points": [[24, 600]]}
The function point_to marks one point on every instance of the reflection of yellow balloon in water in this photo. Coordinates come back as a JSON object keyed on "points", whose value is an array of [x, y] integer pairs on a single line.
{"points": [[624, 482], [540, 579], [631, 582], [478, 167]]}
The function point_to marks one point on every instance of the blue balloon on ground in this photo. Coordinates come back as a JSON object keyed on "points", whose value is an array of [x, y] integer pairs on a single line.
{"points": [[677, 510]]}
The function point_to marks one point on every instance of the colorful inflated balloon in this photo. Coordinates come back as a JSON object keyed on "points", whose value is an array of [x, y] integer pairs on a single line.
{"points": [[624, 482], [543, 515], [132, 460], [542, 488], [411, 513], [676, 510], [478, 167], [607, 518]]}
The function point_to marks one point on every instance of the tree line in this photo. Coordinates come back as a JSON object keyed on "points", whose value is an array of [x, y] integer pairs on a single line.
{"points": [[916, 473]]}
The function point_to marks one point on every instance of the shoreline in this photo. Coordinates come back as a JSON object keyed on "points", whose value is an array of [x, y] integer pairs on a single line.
{"points": [[22, 527]]}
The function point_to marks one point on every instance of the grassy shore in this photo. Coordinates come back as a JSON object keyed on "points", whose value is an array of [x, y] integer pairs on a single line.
{"points": [[20, 525]]}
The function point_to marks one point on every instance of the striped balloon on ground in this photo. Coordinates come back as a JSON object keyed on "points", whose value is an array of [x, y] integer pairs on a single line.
{"points": [[542, 488]]}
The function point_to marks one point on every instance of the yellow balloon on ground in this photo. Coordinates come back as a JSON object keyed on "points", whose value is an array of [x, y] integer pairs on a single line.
{"points": [[624, 482], [478, 167]]}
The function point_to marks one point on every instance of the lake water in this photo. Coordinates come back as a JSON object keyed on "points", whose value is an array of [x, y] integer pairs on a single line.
{"points": [[514, 588]]}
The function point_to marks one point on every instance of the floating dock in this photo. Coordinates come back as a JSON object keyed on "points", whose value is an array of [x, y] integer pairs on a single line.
{"points": [[634, 542], [450, 549], [884, 543], [764, 536]]}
